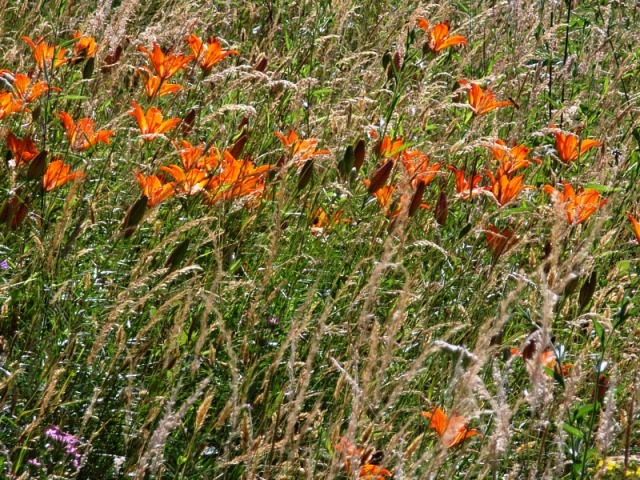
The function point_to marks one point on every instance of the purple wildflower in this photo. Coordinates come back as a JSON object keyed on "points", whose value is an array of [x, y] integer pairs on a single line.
{"points": [[4, 264], [69, 441]]}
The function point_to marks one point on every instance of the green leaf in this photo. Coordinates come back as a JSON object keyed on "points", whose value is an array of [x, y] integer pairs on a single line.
{"points": [[573, 431]]}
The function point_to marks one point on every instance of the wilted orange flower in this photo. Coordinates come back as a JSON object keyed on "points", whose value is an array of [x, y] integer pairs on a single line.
{"points": [[190, 182], [570, 147], [193, 156], [237, 178], [578, 207], [23, 150], [320, 221], [465, 188], [367, 470], [81, 135], [440, 38], [504, 189], [416, 163], [8, 105], [151, 124], [208, 54], [57, 174], [452, 431], [166, 65], [154, 86], [636, 226], [301, 150], [548, 360], [45, 54], [153, 188], [499, 240], [511, 159], [85, 46], [373, 472], [26, 91], [482, 101]]}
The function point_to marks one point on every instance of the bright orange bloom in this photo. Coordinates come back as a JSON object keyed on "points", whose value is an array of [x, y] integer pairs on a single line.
{"points": [[45, 55], [578, 207], [416, 163], [26, 91], [23, 150], [85, 46], [466, 188], [390, 149], [82, 135], [151, 124], [166, 65], [238, 178], [190, 182], [373, 472], [568, 148], [208, 54], [8, 105], [422, 23], [636, 226], [482, 101], [499, 241], [57, 174], [301, 150], [505, 189], [511, 159], [153, 188], [154, 86], [193, 157], [452, 431], [440, 38]]}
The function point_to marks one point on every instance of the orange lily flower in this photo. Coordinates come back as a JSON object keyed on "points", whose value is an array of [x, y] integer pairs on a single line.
{"points": [[452, 431], [25, 91], [85, 46], [81, 135], [568, 148], [166, 65], [301, 150], [482, 101], [511, 159], [636, 226], [238, 178], [440, 38], [193, 157], [153, 188], [57, 174], [422, 23], [208, 54], [416, 163], [156, 86], [389, 149], [499, 241], [320, 221], [465, 188], [190, 182], [44, 54], [578, 207], [383, 195], [548, 360], [373, 472], [23, 150], [505, 189], [8, 105], [151, 123]]}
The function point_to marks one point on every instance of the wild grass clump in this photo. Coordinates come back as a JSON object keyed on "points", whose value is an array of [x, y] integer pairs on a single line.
{"points": [[319, 240]]}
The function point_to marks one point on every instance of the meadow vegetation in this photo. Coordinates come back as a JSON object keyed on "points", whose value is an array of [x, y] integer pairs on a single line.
{"points": [[319, 239]]}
